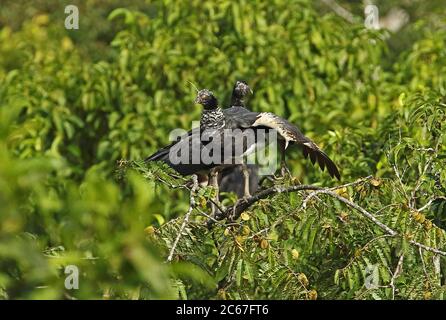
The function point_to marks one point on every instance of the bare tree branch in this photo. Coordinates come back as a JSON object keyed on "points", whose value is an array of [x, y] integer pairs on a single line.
{"points": [[427, 248], [426, 274], [243, 205], [427, 205], [233, 213], [395, 274]]}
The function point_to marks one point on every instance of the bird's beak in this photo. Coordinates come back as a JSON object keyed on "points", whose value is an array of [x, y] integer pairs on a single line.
{"points": [[250, 91], [197, 100]]}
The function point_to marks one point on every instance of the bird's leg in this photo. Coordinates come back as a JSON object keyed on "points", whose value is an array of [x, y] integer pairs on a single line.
{"points": [[284, 170], [214, 183], [246, 193]]}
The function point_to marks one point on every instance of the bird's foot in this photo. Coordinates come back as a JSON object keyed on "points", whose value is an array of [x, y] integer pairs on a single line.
{"points": [[246, 194]]}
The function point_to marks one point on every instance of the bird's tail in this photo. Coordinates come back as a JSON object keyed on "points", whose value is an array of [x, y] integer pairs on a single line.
{"points": [[291, 133], [316, 154], [159, 155]]}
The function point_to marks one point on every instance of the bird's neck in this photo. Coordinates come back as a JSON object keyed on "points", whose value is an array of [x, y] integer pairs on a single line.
{"points": [[212, 119], [237, 102]]}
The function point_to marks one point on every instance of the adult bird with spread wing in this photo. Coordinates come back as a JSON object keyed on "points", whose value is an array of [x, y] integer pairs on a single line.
{"points": [[242, 118], [243, 180], [215, 120], [238, 117]]}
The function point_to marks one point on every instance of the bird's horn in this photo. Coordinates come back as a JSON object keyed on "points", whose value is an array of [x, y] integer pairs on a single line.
{"points": [[193, 85]]}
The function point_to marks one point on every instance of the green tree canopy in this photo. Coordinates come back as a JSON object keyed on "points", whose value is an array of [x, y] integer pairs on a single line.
{"points": [[79, 110]]}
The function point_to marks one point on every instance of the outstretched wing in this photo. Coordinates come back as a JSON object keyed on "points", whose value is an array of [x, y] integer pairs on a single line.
{"points": [[242, 117]]}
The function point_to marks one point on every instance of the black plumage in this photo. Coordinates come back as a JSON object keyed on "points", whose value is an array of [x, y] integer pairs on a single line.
{"points": [[234, 179], [240, 117], [231, 179], [212, 125], [214, 120]]}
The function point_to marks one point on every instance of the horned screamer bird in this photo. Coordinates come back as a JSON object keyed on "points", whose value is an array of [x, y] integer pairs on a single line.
{"points": [[212, 117], [238, 117], [243, 180], [288, 134], [191, 146], [216, 120]]}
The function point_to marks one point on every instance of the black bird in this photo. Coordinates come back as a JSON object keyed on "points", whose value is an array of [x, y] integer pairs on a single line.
{"points": [[215, 120], [239, 92], [239, 117], [212, 120], [243, 180], [233, 179], [212, 117], [191, 146], [288, 134]]}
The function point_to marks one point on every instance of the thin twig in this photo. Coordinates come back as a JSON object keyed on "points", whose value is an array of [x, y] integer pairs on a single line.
{"points": [[363, 212], [419, 183], [386, 207], [364, 247], [426, 274], [430, 202], [395, 274], [427, 248], [186, 217]]}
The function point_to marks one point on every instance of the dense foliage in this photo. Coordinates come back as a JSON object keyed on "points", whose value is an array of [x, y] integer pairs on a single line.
{"points": [[71, 108]]}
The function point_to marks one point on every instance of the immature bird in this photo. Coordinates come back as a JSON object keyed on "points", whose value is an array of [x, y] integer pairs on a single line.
{"points": [[239, 92], [212, 120], [234, 179], [191, 146]]}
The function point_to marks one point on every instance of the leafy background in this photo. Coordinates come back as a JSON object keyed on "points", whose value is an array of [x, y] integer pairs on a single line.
{"points": [[75, 102]]}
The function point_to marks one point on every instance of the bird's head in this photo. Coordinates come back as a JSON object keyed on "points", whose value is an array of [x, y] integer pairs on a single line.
{"points": [[241, 89], [207, 99]]}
